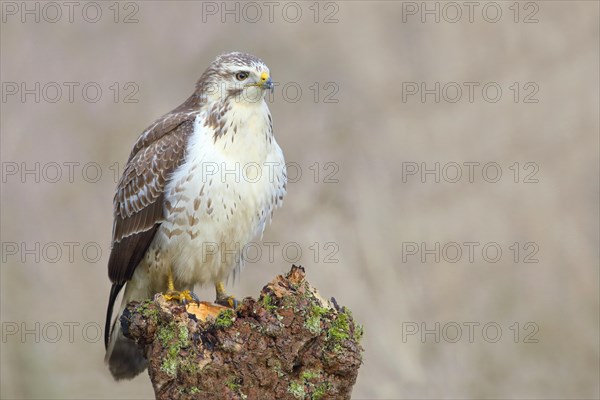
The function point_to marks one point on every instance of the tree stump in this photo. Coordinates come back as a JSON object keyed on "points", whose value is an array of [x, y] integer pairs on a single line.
{"points": [[290, 343]]}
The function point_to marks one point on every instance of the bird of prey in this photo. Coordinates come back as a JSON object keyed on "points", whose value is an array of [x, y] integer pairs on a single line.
{"points": [[208, 172]]}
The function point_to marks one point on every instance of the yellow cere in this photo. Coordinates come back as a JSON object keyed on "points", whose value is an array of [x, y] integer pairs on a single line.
{"points": [[264, 76]]}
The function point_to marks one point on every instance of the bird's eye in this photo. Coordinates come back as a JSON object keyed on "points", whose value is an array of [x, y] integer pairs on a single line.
{"points": [[240, 76]]}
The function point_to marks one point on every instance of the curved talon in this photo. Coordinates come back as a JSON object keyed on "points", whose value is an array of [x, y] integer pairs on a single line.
{"points": [[223, 298], [182, 297], [195, 298], [228, 301]]}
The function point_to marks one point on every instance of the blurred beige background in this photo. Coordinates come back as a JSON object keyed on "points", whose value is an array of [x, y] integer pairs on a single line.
{"points": [[367, 57]]}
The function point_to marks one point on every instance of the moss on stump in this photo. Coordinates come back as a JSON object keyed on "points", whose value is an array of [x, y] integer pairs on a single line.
{"points": [[290, 343]]}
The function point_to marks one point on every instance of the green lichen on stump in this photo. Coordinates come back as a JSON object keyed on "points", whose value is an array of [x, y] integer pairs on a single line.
{"points": [[290, 343]]}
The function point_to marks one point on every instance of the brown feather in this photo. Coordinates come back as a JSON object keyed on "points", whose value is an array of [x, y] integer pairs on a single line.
{"points": [[139, 200]]}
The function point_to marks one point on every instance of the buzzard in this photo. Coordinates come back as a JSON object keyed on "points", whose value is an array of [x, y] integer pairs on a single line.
{"points": [[200, 183]]}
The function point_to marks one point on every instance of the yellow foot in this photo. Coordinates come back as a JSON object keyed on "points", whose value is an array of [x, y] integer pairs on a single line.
{"points": [[182, 297], [228, 301], [223, 298]]}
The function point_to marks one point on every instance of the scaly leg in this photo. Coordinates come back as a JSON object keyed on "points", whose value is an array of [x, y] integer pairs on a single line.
{"points": [[183, 297], [223, 298]]}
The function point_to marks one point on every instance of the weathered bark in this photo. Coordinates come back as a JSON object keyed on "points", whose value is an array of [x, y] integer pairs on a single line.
{"points": [[289, 344]]}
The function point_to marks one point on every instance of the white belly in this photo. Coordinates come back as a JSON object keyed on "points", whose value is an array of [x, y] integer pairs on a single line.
{"points": [[218, 201]]}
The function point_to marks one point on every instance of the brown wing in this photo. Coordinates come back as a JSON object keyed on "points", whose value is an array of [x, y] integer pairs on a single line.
{"points": [[138, 202]]}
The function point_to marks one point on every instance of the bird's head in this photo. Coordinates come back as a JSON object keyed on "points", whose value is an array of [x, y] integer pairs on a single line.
{"points": [[235, 76]]}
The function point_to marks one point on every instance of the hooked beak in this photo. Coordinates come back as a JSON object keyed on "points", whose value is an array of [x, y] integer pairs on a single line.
{"points": [[265, 82], [268, 84]]}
